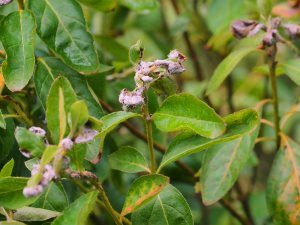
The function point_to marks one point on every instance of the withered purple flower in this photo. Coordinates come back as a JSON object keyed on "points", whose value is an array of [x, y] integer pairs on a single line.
{"points": [[245, 28], [5, 2]]}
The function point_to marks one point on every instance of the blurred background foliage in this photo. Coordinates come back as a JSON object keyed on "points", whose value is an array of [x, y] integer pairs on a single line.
{"points": [[201, 30]]}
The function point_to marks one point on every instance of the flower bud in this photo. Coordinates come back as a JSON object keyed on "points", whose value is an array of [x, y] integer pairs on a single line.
{"points": [[270, 38], [25, 153], [48, 175], [86, 135], [245, 28], [176, 55], [146, 79], [66, 144], [32, 191], [5, 2], [175, 68], [38, 131], [293, 30], [131, 99]]}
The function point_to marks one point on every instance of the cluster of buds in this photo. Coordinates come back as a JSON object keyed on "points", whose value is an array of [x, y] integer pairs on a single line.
{"points": [[5, 2], [86, 135], [248, 28], [148, 72], [48, 175]]}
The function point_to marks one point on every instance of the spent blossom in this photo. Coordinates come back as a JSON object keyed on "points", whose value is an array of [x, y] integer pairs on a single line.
{"points": [[67, 143], [131, 99], [86, 135], [5, 2], [245, 28], [38, 131]]}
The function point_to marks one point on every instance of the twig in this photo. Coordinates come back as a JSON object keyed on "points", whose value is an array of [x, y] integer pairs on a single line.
{"points": [[272, 67]]}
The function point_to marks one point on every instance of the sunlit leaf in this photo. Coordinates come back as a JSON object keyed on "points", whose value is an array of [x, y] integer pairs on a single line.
{"points": [[7, 169]]}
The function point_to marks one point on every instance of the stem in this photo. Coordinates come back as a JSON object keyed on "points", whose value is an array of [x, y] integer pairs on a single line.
{"points": [[272, 67], [107, 204], [2, 54], [148, 124], [21, 4]]}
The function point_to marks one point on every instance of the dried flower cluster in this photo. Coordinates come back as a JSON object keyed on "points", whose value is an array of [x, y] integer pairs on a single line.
{"points": [[47, 175], [43, 175], [248, 28], [5, 2], [148, 72]]}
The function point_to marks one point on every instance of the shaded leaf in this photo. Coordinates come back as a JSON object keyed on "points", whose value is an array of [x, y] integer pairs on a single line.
{"points": [[168, 207], [186, 112], [238, 124], [7, 169], [129, 160], [59, 101], [78, 115], [142, 190], [29, 142], [283, 190], [77, 213], [34, 214], [48, 69], [226, 67], [68, 39], [53, 198], [11, 193], [17, 36], [140, 5], [7, 138]]}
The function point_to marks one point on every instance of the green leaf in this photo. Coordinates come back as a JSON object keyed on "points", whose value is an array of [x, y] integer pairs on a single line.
{"points": [[186, 112], [140, 5], [7, 169], [54, 198], [112, 120], [238, 124], [129, 160], [167, 208], [283, 189], [17, 36], [29, 142], [2, 121], [34, 214], [101, 5], [136, 53], [265, 7], [60, 99], [226, 67], [222, 166], [61, 25], [77, 213], [49, 154], [78, 115], [50, 68], [11, 193], [11, 223], [292, 70], [142, 190]]}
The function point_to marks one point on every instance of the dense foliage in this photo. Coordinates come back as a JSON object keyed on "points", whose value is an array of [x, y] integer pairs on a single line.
{"points": [[148, 112]]}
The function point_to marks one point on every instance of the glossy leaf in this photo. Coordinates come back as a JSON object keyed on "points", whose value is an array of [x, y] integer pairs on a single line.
{"points": [[48, 69], [34, 214], [101, 5], [283, 191], [29, 142], [142, 190], [60, 99], [17, 36], [168, 207], [129, 160], [226, 67], [186, 112], [53, 198], [77, 213], [292, 70], [7, 169], [70, 40], [112, 120], [78, 115], [11, 193], [2, 121], [221, 167], [238, 124], [140, 5]]}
